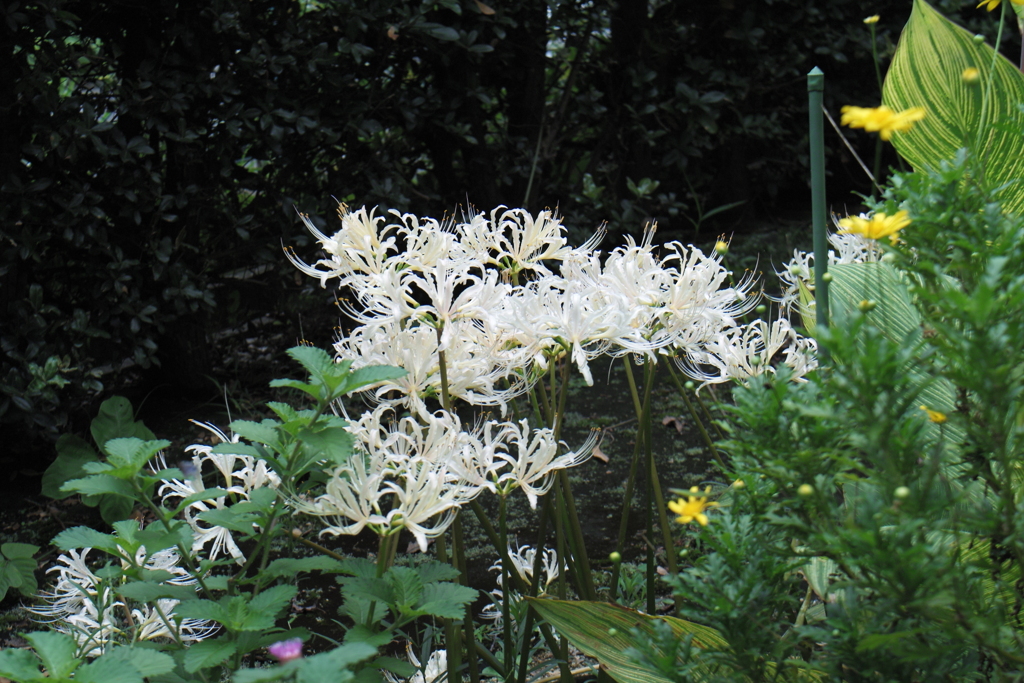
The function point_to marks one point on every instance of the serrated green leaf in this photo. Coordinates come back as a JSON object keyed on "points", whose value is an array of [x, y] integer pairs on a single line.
{"points": [[330, 443], [406, 587], [288, 566], [368, 589], [108, 670], [115, 420], [273, 601], [446, 600], [284, 411], [260, 432], [314, 360], [926, 72], [84, 537], [333, 665], [115, 508], [14, 551], [72, 453], [371, 375], [57, 650], [148, 591], [229, 518], [130, 454], [21, 666], [208, 653], [144, 660], [203, 609], [431, 572], [311, 389], [205, 494], [359, 566], [237, 449], [100, 484]]}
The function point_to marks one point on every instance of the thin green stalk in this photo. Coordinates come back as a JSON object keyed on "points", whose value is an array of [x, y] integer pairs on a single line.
{"points": [[452, 640], [707, 414], [696, 418], [538, 559], [459, 557], [319, 548], [506, 592]]}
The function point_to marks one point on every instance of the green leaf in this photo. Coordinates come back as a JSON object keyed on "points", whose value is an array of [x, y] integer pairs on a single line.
{"points": [[334, 665], [115, 508], [431, 572], [288, 566], [330, 443], [72, 453], [446, 600], [371, 375], [260, 432], [146, 661], [406, 587], [15, 551], [129, 454], [273, 601], [314, 360], [100, 484], [57, 650], [208, 653], [21, 666], [818, 572], [604, 631], [926, 72], [84, 537], [116, 420], [148, 591], [18, 568], [203, 609], [108, 670]]}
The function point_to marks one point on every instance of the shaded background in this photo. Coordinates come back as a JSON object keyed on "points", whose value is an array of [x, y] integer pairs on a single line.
{"points": [[153, 155]]}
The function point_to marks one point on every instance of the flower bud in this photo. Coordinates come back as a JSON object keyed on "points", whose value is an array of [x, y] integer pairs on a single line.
{"points": [[613, 632], [901, 492], [805, 490], [826, 277], [873, 19], [722, 247], [970, 75], [690, 386], [615, 557], [738, 484], [978, 39], [761, 309], [866, 305], [888, 257]]}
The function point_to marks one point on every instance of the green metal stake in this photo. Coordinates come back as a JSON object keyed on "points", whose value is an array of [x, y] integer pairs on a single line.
{"points": [[815, 88]]}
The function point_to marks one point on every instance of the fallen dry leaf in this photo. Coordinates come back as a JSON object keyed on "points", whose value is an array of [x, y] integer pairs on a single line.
{"points": [[392, 33], [484, 9], [599, 454], [675, 422]]}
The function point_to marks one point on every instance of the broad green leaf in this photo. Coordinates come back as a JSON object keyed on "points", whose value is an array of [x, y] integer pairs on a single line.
{"points": [[147, 591], [371, 375], [84, 537], [818, 572], [116, 420], [146, 661], [57, 650], [129, 455], [926, 71], [447, 600], [203, 609], [603, 630], [264, 432], [18, 550], [273, 601], [100, 484], [334, 665], [208, 653], [316, 361], [20, 665], [289, 566], [406, 587], [897, 318], [108, 670], [431, 572], [115, 508], [72, 453], [330, 443], [18, 568]]}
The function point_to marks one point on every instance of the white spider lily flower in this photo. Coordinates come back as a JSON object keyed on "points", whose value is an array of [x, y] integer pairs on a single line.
{"points": [[523, 558], [455, 293], [740, 353], [359, 247], [799, 272], [240, 475], [86, 607], [426, 498], [427, 243], [536, 460], [351, 497], [434, 671]]}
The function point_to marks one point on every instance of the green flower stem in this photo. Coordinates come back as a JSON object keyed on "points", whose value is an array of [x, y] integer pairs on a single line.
{"points": [[696, 418], [874, 58], [707, 414], [506, 592], [317, 547], [627, 498], [521, 586], [459, 557], [527, 628], [452, 632], [446, 402]]}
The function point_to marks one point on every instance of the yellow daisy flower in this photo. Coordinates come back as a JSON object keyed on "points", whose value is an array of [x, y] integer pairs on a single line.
{"points": [[882, 120], [693, 507], [877, 226]]}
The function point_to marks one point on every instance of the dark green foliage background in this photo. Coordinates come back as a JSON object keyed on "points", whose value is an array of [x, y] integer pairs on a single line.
{"points": [[153, 154]]}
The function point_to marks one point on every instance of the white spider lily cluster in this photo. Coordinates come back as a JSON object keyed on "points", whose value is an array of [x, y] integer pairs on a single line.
{"points": [[435, 669], [414, 473], [239, 475], [86, 607], [799, 272], [522, 560]]}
